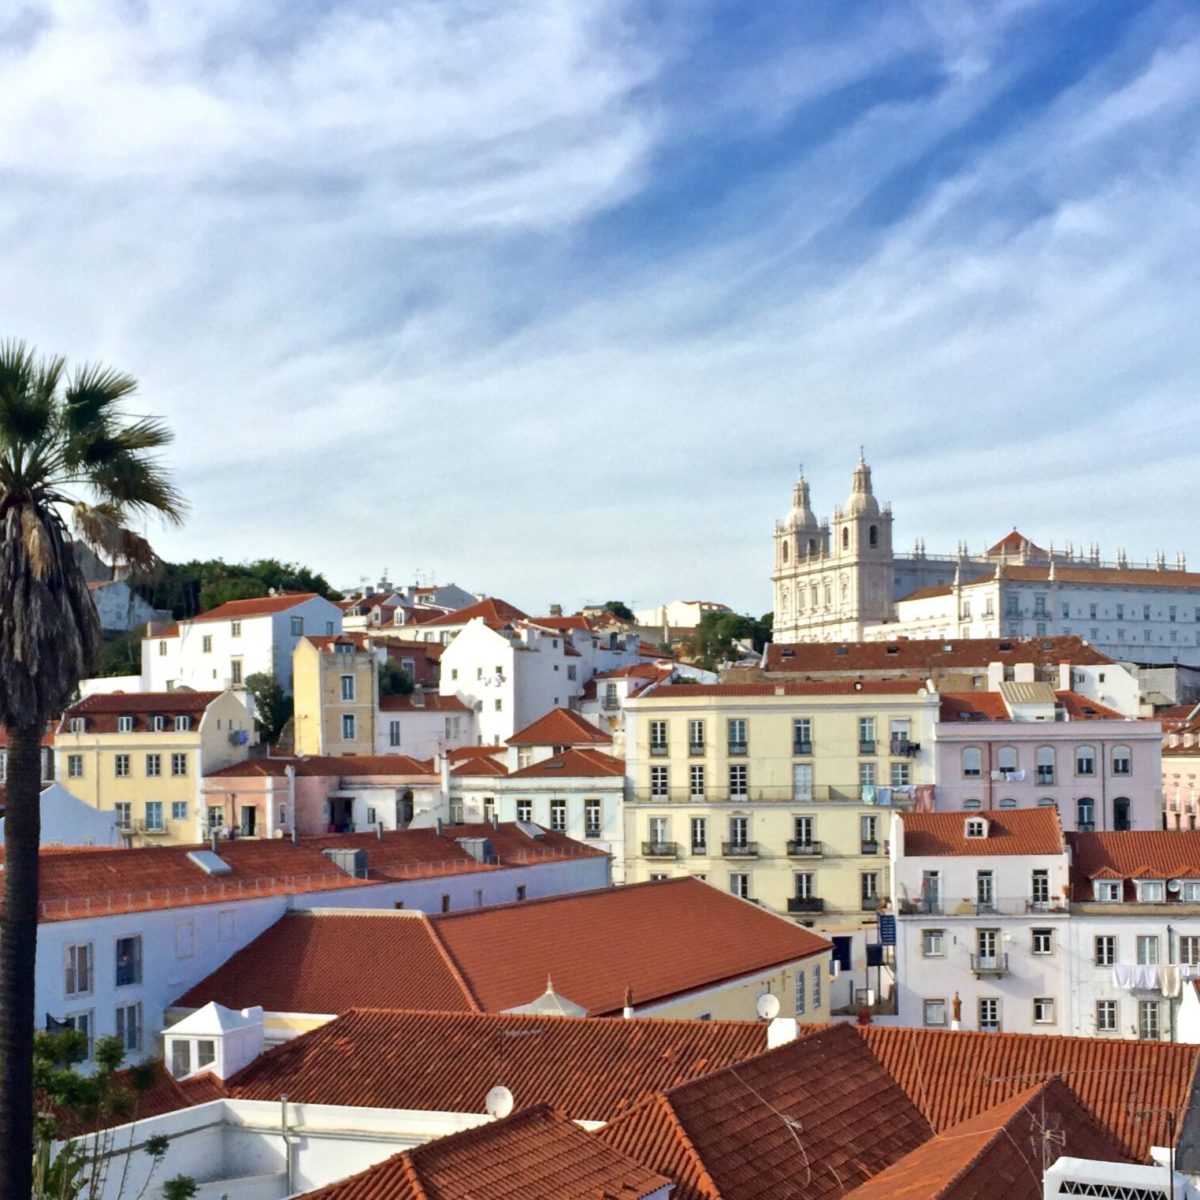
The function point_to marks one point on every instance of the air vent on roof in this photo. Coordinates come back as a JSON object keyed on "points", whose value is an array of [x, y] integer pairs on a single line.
{"points": [[480, 849], [893, 650], [1005, 646], [353, 862], [530, 830], [209, 863]]}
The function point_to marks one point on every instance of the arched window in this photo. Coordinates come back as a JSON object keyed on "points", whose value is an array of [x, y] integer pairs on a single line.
{"points": [[1047, 802], [785, 601], [1006, 758], [1085, 760], [873, 535], [785, 550], [1121, 821], [1085, 814], [971, 804], [972, 762], [1008, 802], [1122, 760], [812, 545], [1044, 757], [846, 538]]}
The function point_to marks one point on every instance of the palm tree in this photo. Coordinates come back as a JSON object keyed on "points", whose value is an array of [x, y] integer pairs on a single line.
{"points": [[67, 453]]}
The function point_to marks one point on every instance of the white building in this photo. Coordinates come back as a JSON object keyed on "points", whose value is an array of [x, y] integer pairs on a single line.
{"points": [[841, 581], [119, 607], [223, 647], [68, 821]]}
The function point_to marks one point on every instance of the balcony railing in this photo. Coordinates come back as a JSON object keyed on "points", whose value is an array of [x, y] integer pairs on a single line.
{"points": [[739, 849], [660, 850], [149, 828], [808, 849], [1045, 776], [903, 748], [802, 747], [738, 748], [1004, 906], [869, 847], [805, 904], [870, 903], [659, 750], [989, 964], [901, 797], [700, 848], [866, 745], [696, 747]]}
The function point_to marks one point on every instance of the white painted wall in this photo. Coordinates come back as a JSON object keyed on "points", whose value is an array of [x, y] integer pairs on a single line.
{"points": [[68, 821]]}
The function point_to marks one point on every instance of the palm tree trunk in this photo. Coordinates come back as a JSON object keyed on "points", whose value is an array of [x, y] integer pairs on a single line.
{"points": [[18, 955]]}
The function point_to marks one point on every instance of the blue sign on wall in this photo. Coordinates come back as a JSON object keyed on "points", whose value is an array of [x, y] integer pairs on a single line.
{"points": [[887, 928]]}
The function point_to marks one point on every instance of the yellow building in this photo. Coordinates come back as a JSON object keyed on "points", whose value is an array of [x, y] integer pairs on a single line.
{"points": [[779, 792], [143, 755], [335, 686]]}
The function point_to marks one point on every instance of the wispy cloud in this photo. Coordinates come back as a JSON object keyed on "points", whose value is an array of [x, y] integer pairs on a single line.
{"points": [[551, 298]]}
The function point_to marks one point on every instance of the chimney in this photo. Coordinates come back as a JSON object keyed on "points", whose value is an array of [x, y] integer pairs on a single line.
{"points": [[213, 838], [556, 610], [627, 1011], [379, 830]]}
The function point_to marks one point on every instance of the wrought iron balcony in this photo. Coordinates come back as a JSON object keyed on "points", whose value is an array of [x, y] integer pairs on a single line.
{"points": [[994, 965], [805, 904], [902, 747], [738, 748], [866, 746], [808, 849], [700, 848], [802, 747], [659, 750], [870, 847], [739, 849], [660, 850], [696, 747]]}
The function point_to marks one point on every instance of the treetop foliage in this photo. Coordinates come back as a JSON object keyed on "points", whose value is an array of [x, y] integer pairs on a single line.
{"points": [[186, 589]]}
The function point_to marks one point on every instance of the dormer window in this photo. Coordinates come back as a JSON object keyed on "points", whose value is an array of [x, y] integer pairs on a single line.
{"points": [[1107, 891], [183, 724], [1151, 891], [158, 724], [78, 724], [124, 724], [975, 827]]}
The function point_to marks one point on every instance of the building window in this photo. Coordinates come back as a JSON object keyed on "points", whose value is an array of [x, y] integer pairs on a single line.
{"points": [[696, 781], [1189, 950], [154, 816], [1107, 891], [347, 687], [591, 818], [124, 724], [1105, 952], [78, 969], [179, 764], [158, 723], [739, 884], [866, 735], [1006, 760], [129, 1027], [348, 727], [866, 775], [1147, 950], [658, 782], [1106, 1016], [816, 987], [737, 736], [934, 1012], [121, 765], [658, 737], [1085, 814], [868, 834], [525, 810], [868, 890], [800, 998], [1043, 941], [74, 766], [738, 781], [933, 943], [183, 724], [696, 737], [1044, 761], [162, 649], [1122, 761], [739, 832], [499, 705], [558, 816], [901, 774], [802, 885], [82, 1023], [1043, 1010], [124, 812], [803, 829], [1150, 891], [1149, 1029], [235, 672], [178, 810], [1085, 760], [989, 1014], [802, 741], [129, 960], [1191, 891], [699, 828], [393, 733], [153, 765], [297, 625], [1039, 887]]}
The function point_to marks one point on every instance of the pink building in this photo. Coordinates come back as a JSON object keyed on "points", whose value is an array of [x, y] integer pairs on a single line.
{"points": [[1027, 746]]}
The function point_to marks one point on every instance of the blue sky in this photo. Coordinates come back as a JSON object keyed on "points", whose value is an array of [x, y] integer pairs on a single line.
{"points": [[550, 299]]}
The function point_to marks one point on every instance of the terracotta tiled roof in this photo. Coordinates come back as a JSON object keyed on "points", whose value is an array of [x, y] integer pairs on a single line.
{"points": [[433, 702], [570, 938], [103, 709], [954, 1076], [1142, 577], [332, 962], [332, 765], [574, 764], [927, 654], [1015, 543], [591, 1069], [1084, 708], [479, 764], [645, 650], [256, 606], [820, 687], [498, 958], [577, 622], [1012, 831], [1135, 854], [930, 592], [764, 1129], [461, 752], [997, 1153], [493, 611], [559, 727], [976, 706], [536, 1154]]}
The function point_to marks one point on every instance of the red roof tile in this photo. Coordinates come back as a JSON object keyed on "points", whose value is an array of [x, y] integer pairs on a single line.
{"points": [[256, 606], [977, 706], [461, 752], [926, 654], [1084, 708], [954, 1076], [1134, 854], [591, 1069], [1013, 831], [574, 764], [823, 687], [479, 764], [431, 702], [536, 1154], [761, 1130], [103, 709], [1015, 543], [493, 611], [559, 727], [332, 765], [997, 1153]]}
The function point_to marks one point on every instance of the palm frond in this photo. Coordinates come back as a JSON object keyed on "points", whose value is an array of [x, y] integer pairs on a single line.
{"points": [[92, 394], [28, 391], [135, 484]]}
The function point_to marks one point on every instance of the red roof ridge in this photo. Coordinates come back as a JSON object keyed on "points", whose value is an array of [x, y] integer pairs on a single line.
{"points": [[452, 966]]}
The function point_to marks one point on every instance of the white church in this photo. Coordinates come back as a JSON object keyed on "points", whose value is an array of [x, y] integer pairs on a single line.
{"points": [[840, 580]]}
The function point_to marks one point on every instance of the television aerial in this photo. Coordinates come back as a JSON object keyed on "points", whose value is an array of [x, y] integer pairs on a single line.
{"points": [[767, 1006], [499, 1101]]}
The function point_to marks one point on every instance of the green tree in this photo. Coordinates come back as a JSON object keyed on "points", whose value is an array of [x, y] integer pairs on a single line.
{"points": [[67, 452], [394, 680], [619, 608], [717, 634], [272, 706], [185, 589]]}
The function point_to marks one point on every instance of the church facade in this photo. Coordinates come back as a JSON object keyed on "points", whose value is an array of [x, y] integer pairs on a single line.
{"points": [[840, 580]]}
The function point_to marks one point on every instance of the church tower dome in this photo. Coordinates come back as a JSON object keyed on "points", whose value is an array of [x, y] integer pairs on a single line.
{"points": [[862, 502], [802, 518]]}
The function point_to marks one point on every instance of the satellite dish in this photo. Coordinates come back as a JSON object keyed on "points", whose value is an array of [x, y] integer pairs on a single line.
{"points": [[499, 1101], [1174, 885], [768, 1006]]}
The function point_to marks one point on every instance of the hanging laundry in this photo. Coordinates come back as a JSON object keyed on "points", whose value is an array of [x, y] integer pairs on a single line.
{"points": [[1123, 975], [883, 795], [1169, 980], [868, 793]]}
